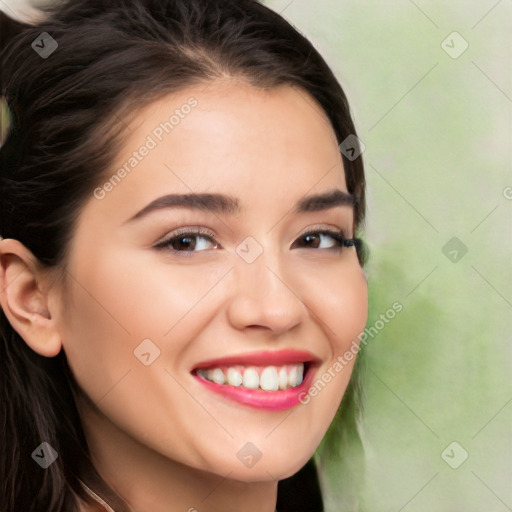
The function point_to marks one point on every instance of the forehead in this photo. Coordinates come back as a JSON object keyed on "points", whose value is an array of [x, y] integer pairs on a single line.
{"points": [[267, 147]]}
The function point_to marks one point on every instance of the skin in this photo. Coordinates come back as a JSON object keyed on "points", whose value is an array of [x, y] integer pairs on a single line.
{"points": [[157, 436]]}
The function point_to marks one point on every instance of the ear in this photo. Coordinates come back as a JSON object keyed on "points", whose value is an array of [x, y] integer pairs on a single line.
{"points": [[24, 297]]}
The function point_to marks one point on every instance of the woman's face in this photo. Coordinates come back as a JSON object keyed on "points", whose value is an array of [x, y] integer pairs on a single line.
{"points": [[230, 285]]}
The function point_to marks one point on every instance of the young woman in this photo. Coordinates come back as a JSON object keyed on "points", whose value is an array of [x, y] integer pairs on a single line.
{"points": [[180, 271]]}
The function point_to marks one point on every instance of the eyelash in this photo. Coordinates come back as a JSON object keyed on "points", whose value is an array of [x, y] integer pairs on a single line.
{"points": [[166, 243]]}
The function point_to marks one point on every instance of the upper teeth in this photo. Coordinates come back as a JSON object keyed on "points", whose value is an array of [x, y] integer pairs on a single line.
{"points": [[268, 378]]}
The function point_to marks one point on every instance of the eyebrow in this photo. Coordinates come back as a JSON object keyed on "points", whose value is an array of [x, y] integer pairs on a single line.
{"points": [[229, 205]]}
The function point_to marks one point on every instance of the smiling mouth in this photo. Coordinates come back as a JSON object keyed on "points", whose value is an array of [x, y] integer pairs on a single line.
{"points": [[266, 378]]}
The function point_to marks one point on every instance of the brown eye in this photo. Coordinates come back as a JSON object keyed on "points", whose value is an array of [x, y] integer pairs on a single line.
{"points": [[321, 239], [188, 242]]}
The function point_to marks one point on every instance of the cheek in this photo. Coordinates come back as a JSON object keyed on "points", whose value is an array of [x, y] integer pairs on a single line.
{"points": [[110, 310], [134, 295], [341, 308], [98, 320], [97, 340], [149, 296], [337, 296], [116, 303], [347, 307]]}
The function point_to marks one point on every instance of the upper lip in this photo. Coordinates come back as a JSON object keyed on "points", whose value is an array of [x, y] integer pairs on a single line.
{"points": [[261, 358]]}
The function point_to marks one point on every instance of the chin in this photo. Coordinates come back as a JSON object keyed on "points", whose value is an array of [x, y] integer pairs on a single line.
{"points": [[270, 468]]}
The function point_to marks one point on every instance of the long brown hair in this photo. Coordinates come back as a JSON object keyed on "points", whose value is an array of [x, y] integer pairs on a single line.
{"points": [[113, 57]]}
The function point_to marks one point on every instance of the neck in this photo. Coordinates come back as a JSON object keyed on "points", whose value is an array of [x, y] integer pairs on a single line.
{"points": [[146, 480]]}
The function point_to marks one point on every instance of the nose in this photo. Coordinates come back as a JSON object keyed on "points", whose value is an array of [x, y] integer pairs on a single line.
{"points": [[263, 297]]}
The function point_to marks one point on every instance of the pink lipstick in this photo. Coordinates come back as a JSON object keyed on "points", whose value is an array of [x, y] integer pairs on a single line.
{"points": [[272, 380]]}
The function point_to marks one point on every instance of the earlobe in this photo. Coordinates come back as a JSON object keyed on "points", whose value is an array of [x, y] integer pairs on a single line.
{"points": [[25, 300]]}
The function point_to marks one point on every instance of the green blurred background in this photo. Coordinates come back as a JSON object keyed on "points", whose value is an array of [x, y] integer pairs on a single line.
{"points": [[436, 120]]}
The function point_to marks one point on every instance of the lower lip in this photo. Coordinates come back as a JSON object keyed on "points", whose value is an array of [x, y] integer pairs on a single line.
{"points": [[270, 400]]}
